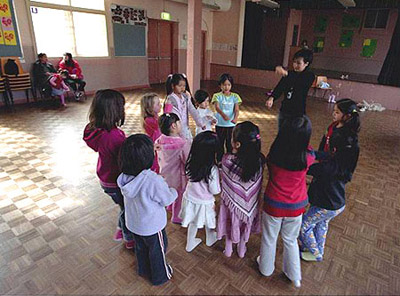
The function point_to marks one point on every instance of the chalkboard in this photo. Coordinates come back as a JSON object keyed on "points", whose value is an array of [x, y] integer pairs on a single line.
{"points": [[129, 40], [10, 45]]}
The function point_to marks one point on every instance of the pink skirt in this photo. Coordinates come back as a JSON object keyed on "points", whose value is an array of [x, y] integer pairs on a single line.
{"points": [[232, 227]]}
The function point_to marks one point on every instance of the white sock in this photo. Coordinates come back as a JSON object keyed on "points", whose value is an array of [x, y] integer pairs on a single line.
{"points": [[211, 237], [192, 241]]}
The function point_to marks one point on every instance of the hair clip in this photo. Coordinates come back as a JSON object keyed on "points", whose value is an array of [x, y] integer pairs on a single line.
{"points": [[167, 114], [170, 75], [184, 75], [258, 137], [354, 111]]}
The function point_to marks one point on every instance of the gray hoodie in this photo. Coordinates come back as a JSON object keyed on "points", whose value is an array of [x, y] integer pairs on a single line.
{"points": [[145, 197]]}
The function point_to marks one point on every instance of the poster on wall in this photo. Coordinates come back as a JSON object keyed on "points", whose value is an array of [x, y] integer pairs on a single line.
{"points": [[369, 48], [350, 21], [125, 15], [346, 39], [9, 40], [319, 43], [321, 23]]}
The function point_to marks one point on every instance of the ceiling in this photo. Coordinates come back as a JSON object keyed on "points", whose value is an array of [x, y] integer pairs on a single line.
{"points": [[334, 4]]}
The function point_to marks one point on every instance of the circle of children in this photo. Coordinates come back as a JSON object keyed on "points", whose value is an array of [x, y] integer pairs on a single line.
{"points": [[168, 170]]}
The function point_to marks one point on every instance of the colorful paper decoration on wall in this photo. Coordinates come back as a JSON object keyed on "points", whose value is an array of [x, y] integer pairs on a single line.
{"points": [[350, 21], [321, 23], [127, 15], [319, 43], [346, 38], [369, 47], [7, 32]]}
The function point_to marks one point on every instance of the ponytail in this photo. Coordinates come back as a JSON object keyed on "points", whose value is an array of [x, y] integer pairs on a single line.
{"points": [[249, 159], [352, 124], [165, 121], [173, 79]]}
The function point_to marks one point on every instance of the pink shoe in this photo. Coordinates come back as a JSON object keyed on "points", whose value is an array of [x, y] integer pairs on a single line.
{"points": [[118, 235], [130, 245]]}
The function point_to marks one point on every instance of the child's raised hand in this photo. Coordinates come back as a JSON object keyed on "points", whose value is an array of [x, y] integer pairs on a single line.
{"points": [[234, 120], [269, 103], [280, 71]]}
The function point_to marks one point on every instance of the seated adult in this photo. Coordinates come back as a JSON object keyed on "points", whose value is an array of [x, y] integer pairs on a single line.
{"points": [[42, 70], [75, 78]]}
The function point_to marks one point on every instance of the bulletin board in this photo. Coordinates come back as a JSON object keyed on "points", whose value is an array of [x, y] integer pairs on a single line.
{"points": [[346, 39], [369, 48], [129, 28], [319, 44], [10, 45]]}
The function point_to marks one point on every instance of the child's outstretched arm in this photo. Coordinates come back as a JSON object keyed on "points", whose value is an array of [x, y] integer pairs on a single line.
{"points": [[278, 91], [195, 114], [162, 194]]}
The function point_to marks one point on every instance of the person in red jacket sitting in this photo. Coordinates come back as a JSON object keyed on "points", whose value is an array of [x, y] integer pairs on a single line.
{"points": [[75, 78]]}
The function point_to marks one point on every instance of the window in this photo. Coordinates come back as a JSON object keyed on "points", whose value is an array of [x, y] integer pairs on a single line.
{"points": [[376, 19], [74, 26]]}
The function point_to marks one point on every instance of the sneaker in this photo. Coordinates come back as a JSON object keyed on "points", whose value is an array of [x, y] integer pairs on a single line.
{"points": [[296, 283], [130, 244], [118, 235], [308, 256]]}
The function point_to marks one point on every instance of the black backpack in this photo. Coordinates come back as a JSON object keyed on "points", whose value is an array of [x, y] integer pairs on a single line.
{"points": [[11, 67]]}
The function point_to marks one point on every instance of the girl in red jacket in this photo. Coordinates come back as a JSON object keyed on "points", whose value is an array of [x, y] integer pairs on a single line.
{"points": [[151, 106], [75, 74], [285, 197]]}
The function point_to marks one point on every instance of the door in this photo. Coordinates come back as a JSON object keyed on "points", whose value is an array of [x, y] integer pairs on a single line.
{"points": [[159, 50], [203, 54]]}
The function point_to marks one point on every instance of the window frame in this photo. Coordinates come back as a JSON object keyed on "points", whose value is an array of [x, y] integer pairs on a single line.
{"points": [[376, 19], [71, 9]]}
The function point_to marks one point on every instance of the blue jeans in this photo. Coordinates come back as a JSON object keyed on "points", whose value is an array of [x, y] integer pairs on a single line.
{"points": [[150, 253], [314, 229], [118, 198]]}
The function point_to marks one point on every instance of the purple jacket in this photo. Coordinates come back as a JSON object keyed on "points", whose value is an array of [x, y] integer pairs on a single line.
{"points": [[108, 145], [145, 199]]}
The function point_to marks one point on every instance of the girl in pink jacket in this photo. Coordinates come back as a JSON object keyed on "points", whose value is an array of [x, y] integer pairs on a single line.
{"points": [[172, 156]]}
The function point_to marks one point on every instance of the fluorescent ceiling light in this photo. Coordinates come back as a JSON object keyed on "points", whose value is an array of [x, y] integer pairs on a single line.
{"points": [[268, 3], [347, 3]]}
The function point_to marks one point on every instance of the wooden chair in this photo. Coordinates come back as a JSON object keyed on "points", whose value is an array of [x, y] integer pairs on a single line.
{"points": [[316, 85], [4, 91], [19, 82]]}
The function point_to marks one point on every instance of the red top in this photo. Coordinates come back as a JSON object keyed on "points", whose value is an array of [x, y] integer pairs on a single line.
{"points": [[58, 81], [75, 69], [153, 131], [108, 145], [286, 192]]}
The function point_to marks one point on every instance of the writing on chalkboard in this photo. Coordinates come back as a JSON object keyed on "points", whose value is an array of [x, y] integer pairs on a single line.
{"points": [[128, 15]]}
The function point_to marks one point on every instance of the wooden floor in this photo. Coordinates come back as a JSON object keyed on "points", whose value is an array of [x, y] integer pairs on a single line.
{"points": [[56, 224]]}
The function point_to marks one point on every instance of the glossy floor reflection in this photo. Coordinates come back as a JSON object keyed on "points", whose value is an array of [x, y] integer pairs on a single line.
{"points": [[56, 224]]}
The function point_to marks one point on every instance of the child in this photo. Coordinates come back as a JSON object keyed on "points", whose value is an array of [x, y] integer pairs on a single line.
{"points": [[103, 136], [285, 197], [202, 101], [227, 106], [295, 86], [172, 158], [59, 88], [151, 106], [146, 194], [338, 156], [179, 102], [242, 174], [198, 208]]}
